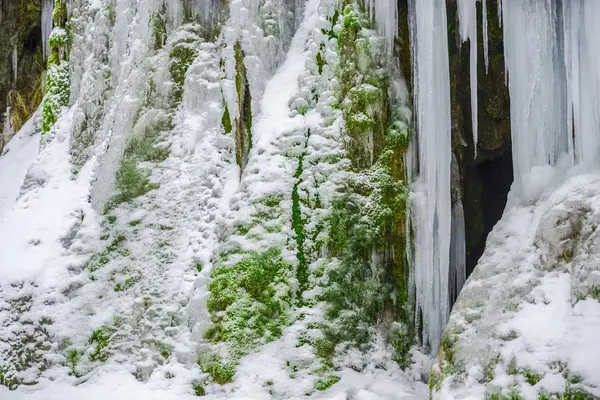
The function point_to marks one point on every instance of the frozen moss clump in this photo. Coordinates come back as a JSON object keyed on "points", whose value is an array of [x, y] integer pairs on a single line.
{"points": [[248, 301]]}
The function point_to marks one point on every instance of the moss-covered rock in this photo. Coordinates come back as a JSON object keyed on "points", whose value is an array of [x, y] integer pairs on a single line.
{"points": [[243, 123], [20, 31], [249, 301]]}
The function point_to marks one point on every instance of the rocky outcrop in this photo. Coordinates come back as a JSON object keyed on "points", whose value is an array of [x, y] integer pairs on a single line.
{"points": [[525, 325], [21, 47]]}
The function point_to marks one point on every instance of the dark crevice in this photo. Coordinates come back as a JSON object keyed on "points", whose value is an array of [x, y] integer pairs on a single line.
{"points": [[494, 178]]}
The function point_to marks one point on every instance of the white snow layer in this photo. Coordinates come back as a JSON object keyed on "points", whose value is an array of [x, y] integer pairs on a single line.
{"points": [[17, 156]]}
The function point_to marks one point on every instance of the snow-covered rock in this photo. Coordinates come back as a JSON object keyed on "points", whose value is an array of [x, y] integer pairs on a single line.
{"points": [[527, 322]]}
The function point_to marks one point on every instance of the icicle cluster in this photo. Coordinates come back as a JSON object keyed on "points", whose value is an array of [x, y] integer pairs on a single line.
{"points": [[47, 11], [467, 14], [552, 52], [430, 202], [385, 14]]}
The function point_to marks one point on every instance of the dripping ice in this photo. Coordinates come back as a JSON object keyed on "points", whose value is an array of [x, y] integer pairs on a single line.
{"points": [[467, 15]]}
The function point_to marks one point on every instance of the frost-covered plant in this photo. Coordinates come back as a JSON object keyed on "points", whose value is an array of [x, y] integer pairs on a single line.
{"points": [[183, 53], [248, 302], [57, 94], [57, 77], [99, 340]]}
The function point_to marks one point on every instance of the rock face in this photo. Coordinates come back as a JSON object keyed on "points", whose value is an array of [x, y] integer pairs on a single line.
{"points": [[526, 323], [21, 46], [494, 144]]}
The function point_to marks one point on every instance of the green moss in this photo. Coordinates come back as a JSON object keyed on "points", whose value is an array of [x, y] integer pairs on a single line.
{"points": [[298, 227], [320, 62], [248, 303], [401, 340], [182, 56], [226, 120], [489, 370], [199, 390], [447, 346], [566, 256], [7, 379], [272, 200], [57, 94], [127, 283], [131, 182], [531, 377], [595, 292], [58, 39], [325, 384], [159, 28], [100, 339], [60, 15], [73, 358]]}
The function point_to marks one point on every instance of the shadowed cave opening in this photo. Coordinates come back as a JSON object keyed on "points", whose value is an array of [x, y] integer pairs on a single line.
{"points": [[486, 201]]}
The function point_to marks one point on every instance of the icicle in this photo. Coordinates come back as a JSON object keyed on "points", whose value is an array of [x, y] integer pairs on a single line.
{"points": [[385, 14], [15, 62], [206, 10], [458, 273], [430, 199], [582, 57], [537, 84], [485, 35], [467, 12], [500, 12], [47, 25]]}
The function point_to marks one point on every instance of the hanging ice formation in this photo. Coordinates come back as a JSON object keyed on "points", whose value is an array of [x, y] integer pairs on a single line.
{"points": [[554, 81], [458, 271], [431, 202], [467, 14], [385, 14], [47, 11]]}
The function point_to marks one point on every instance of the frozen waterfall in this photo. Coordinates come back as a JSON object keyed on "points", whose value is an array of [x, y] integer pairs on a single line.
{"points": [[430, 203]]}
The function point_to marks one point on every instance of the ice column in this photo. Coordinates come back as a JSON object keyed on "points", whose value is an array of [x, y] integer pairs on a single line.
{"points": [[47, 11], [458, 269], [582, 58], [430, 198]]}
